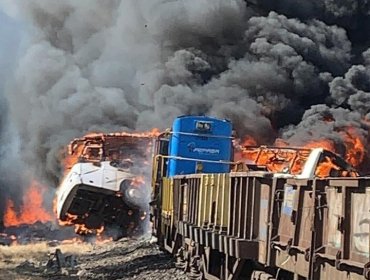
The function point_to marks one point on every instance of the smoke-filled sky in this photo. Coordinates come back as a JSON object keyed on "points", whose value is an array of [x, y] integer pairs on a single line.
{"points": [[10, 38], [298, 69]]}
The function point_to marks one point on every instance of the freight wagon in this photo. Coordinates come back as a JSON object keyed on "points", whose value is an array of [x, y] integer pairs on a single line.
{"points": [[270, 216]]}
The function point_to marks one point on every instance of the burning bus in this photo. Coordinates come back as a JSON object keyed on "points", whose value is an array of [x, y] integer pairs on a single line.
{"points": [[104, 183]]}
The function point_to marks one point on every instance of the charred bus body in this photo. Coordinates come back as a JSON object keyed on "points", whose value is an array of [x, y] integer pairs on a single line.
{"points": [[278, 213], [104, 183]]}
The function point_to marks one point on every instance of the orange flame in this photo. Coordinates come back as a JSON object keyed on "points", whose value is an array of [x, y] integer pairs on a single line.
{"points": [[321, 143], [95, 147], [83, 230], [281, 143], [248, 141], [239, 145], [355, 148], [31, 211], [278, 159], [324, 169], [353, 142], [69, 221]]}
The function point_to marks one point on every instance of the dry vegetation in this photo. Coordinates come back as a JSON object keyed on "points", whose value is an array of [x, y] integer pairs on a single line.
{"points": [[123, 259], [11, 256]]}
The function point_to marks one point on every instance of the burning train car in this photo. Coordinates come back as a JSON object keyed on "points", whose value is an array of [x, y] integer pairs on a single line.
{"points": [[290, 162], [274, 213], [104, 183]]}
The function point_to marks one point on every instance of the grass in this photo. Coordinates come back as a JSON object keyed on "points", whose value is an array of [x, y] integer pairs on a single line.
{"points": [[11, 256]]}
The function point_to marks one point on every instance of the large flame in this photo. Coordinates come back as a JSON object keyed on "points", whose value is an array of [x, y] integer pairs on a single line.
{"points": [[239, 145], [324, 169], [279, 159], [284, 159], [354, 153], [355, 146], [32, 209], [321, 143]]}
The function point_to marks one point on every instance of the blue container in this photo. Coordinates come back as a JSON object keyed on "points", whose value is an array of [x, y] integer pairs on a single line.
{"points": [[197, 140]]}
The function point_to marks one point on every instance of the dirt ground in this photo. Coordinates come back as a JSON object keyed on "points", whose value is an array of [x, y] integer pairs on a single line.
{"points": [[124, 259]]}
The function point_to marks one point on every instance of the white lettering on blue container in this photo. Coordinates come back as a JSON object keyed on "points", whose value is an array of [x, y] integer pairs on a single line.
{"points": [[206, 151]]}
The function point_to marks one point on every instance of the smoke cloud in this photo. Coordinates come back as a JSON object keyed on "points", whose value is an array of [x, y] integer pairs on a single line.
{"points": [[129, 65]]}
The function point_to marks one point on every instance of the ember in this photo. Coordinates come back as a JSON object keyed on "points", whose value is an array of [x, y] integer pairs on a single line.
{"points": [[69, 220], [81, 229]]}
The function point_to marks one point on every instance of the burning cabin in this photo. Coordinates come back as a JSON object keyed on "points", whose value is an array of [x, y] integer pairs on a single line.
{"points": [[104, 183]]}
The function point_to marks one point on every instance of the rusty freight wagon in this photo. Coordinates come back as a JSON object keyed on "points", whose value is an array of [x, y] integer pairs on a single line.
{"points": [[271, 216]]}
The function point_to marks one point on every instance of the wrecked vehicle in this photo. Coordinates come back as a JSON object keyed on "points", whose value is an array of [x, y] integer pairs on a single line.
{"points": [[104, 183]]}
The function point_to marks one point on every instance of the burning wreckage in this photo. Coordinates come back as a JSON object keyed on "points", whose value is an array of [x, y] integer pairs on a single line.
{"points": [[104, 183], [104, 186], [290, 162]]}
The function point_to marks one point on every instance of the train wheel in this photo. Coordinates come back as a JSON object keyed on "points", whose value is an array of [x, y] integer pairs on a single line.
{"points": [[196, 268], [181, 259]]}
